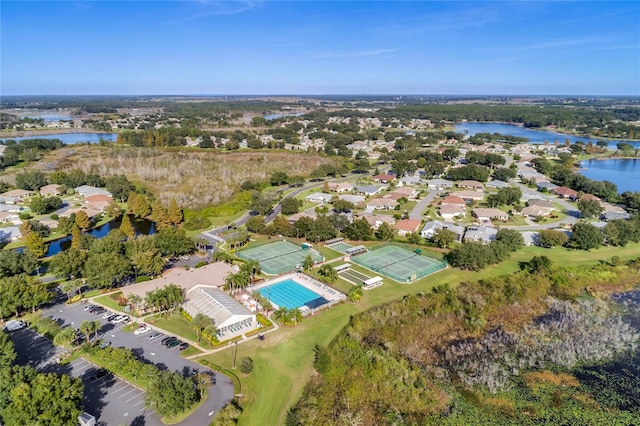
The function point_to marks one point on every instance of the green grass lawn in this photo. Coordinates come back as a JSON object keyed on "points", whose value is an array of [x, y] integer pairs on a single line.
{"points": [[283, 362], [107, 301], [179, 325]]}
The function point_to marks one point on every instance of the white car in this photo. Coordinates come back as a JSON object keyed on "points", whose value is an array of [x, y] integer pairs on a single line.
{"points": [[14, 325], [107, 314], [119, 319], [143, 329]]}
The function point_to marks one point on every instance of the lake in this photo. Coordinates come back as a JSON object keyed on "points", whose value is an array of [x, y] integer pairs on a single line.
{"points": [[534, 136], [623, 172], [51, 117], [72, 138], [144, 227]]}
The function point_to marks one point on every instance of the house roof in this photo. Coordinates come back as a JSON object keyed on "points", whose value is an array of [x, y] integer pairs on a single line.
{"points": [[382, 202], [498, 184], [16, 193], [355, 199], [50, 189], [295, 217], [452, 209], [471, 183], [383, 177], [368, 189], [481, 233], [405, 191], [473, 195], [439, 182], [540, 203], [375, 219], [215, 304], [436, 225], [86, 190], [490, 213], [565, 192], [210, 275], [535, 211], [409, 225], [453, 199], [589, 197], [319, 196], [546, 184], [97, 198]]}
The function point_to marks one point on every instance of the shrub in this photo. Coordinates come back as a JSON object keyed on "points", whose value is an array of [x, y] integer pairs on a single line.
{"points": [[143, 278]]}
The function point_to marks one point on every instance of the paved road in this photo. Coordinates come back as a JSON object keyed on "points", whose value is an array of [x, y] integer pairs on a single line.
{"points": [[416, 212]]}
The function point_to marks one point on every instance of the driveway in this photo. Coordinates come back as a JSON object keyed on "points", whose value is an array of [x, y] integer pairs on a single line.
{"points": [[418, 210]]}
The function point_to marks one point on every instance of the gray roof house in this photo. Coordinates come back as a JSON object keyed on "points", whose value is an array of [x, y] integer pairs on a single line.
{"points": [[531, 238], [229, 315], [355, 199], [481, 233], [368, 189], [613, 215], [87, 190], [318, 197], [430, 228], [497, 184], [10, 233], [439, 183], [545, 184]]}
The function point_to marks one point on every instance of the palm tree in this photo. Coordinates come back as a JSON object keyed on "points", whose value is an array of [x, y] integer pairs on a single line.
{"points": [[328, 272], [203, 381], [199, 323], [252, 267], [228, 282], [281, 315], [295, 315], [89, 327], [355, 293], [210, 330], [307, 263], [134, 301]]}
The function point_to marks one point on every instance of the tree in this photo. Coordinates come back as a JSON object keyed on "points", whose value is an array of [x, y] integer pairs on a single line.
{"points": [[36, 244], [68, 263], [173, 242], [82, 220], [170, 394], [89, 327], [278, 178], [246, 365], [174, 212], [290, 205], [105, 269], [359, 230], [113, 209], [49, 396], [199, 323], [227, 416], [589, 208], [586, 236], [7, 351], [126, 227], [414, 238], [307, 263], [13, 262], [473, 256], [139, 205], [210, 331], [355, 293], [260, 204], [203, 381], [342, 206], [511, 239], [255, 223], [328, 272], [251, 267], [444, 238], [321, 230], [386, 232], [119, 187], [552, 238], [31, 180], [70, 287]]}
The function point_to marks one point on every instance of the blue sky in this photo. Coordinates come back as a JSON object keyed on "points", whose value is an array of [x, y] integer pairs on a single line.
{"points": [[329, 47]]}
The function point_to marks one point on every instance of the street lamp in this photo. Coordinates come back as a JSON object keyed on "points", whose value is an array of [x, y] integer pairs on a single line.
{"points": [[235, 353]]}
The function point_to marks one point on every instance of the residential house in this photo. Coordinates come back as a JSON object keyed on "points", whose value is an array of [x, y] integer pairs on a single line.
{"points": [[382, 203], [50, 190], [486, 215], [545, 184], [453, 200], [367, 190], [10, 233], [564, 192], [406, 191], [613, 215], [355, 199], [407, 226], [10, 217], [375, 221], [14, 196], [430, 228], [531, 238], [471, 184], [97, 202], [480, 233], [297, 216], [411, 180], [87, 190], [439, 184], [537, 207], [340, 186], [470, 196], [318, 197], [497, 184], [451, 211], [590, 197], [383, 178]]}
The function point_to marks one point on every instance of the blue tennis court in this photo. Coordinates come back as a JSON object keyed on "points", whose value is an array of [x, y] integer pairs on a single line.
{"points": [[291, 295]]}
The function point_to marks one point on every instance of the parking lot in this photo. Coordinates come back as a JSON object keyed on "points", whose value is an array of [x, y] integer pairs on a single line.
{"points": [[111, 400]]}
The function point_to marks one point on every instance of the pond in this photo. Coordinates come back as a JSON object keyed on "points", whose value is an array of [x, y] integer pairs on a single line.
{"points": [[142, 227], [534, 136], [72, 138], [624, 172]]}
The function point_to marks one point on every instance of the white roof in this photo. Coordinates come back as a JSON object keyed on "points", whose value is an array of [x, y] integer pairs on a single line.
{"points": [[87, 190], [319, 196], [216, 304]]}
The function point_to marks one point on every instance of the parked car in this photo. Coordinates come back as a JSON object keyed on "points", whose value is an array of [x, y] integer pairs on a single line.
{"points": [[89, 307], [104, 344], [119, 319], [166, 339], [173, 343], [183, 346], [107, 315], [14, 325], [154, 336], [98, 311], [99, 374], [142, 329], [185, 257], [111, 317]]}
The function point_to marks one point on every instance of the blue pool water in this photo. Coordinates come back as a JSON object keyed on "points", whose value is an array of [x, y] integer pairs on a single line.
{"points": [[291, 295]]}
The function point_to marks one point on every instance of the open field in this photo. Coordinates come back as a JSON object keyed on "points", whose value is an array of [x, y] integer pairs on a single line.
{"points": [[194, 177], [284, 361]]}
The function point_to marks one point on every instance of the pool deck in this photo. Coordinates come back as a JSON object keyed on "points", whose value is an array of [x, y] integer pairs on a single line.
{"points": [[329, 293]]}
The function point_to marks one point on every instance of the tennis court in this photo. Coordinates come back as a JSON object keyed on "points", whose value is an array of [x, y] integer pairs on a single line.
{"points": [[279, 257], [399, 264], [354, 276]]}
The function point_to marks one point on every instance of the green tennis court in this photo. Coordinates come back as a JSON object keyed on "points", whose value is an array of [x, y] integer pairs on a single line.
{"points": [[279, 257], [340, 247], [399, 264]]}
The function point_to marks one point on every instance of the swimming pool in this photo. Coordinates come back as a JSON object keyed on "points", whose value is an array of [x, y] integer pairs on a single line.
{"points": [[291, 295]]}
